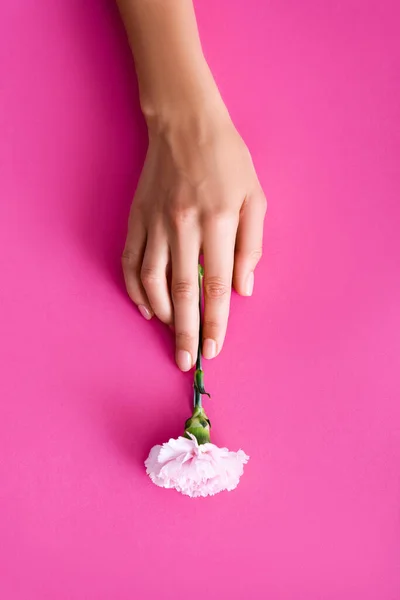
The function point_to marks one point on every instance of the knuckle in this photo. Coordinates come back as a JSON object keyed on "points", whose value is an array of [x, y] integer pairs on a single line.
{"points": [[182, 290], [219, 216], [129, 258], [248, 256], [219, 210], [215, 288], [184, 338], [149, 276], [211, 324], [181, 217], [256, 255]]}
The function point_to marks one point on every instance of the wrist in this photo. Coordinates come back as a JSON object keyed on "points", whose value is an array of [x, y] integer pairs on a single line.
{"points": [[189, 106], [181, 85]]}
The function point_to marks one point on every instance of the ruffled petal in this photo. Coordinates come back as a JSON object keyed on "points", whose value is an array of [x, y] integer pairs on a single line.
{"points": [[175, 448], [195, 470]]}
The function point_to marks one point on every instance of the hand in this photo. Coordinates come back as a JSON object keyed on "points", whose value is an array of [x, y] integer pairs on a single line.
{"points": [[198, 194]]}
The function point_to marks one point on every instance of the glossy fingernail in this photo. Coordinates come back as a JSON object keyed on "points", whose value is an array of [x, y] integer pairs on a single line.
{"points": [[184, 360], [209, 348], [250, 284], [145, 312]]}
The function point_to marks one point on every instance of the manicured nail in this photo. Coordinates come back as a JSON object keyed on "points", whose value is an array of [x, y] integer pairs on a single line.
{"points": [[209, 348], [145, 312], [184, 360], [250, 284]]}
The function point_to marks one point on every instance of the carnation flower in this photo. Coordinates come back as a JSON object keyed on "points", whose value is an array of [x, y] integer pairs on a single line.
{"points": [[195, 469], [191, 464]]}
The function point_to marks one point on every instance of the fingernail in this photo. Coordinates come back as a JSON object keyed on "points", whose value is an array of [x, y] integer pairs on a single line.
{"points": [[145, 312], [209, 348], [250, 284], [184, 360]]}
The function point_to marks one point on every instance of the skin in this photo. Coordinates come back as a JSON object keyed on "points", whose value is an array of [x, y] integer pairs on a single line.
{"points": [[198, 193]]}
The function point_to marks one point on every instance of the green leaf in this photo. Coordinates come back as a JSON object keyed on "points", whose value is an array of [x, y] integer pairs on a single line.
{"points": [[199, 382]]}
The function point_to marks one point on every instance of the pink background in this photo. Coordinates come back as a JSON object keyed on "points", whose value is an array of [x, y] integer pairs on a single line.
{"points": [[308, 383]]}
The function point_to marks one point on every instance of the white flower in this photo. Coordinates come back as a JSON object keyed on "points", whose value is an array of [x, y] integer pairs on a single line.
{"points": [[193, 469]]}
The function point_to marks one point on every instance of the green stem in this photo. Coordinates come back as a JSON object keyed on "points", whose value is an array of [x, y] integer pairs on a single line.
{"points": [[197, 392], [198, 360]]}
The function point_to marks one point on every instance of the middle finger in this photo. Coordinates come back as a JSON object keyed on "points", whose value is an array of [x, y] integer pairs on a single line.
{"points": [[219, 247], [185, 294]]}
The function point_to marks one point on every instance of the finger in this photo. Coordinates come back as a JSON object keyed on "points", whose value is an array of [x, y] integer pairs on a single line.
{"points": [[185, 294], [219, 246], [248, 250], [132, 258], [154, 275]]}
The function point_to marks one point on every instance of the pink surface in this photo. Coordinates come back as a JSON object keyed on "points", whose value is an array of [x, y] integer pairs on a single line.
{"points": [[308, 384]]}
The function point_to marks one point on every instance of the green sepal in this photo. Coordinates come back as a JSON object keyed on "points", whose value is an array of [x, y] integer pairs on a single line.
{"points": [[202, 435], [198, 425]]}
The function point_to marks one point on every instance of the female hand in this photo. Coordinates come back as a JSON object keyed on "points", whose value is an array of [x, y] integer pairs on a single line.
{"points": [[198, 194]]}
